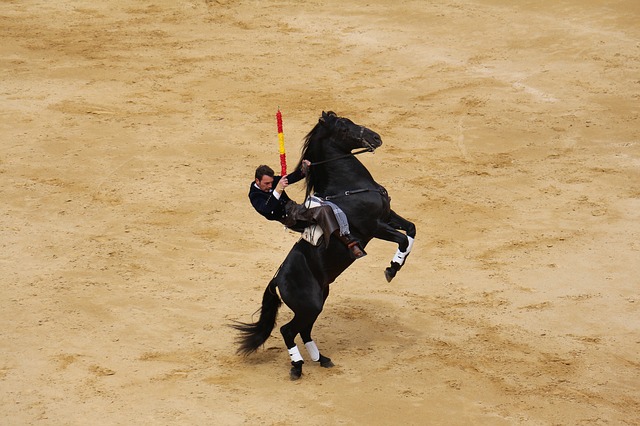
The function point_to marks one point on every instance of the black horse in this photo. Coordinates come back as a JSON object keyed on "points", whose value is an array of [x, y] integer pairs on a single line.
{"points": [[303, 279]]}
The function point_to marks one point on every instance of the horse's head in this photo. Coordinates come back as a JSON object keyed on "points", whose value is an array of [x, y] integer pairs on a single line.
{"points": [[328, 147], [350, 134]]}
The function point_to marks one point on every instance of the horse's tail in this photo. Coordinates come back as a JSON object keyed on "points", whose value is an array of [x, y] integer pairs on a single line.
{"points": [[253, 335]]}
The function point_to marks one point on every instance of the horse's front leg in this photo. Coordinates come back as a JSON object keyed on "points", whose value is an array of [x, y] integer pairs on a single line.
{"points": [[398, 222], [405, 243], [388, 231]]}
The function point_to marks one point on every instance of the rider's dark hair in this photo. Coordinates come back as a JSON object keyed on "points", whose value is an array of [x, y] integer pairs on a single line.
{"points": [[264, 170]]}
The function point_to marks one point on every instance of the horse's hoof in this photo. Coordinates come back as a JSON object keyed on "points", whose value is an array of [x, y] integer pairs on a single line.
{"points": [[391, 271], [325, 362], [296, 370], [389, 274]]}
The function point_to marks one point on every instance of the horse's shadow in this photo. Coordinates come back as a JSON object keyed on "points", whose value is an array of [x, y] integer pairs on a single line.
{"points": [[357, 324], [353, 326]]}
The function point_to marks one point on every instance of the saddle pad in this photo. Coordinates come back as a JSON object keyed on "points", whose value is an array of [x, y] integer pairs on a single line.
{"points": [[312, 234]]}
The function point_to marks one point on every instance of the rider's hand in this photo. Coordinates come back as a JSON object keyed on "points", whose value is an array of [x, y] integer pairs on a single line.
{"points": [[305, 166], [282, 184]]}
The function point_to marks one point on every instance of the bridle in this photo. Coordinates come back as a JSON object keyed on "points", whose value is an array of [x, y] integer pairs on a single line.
{"points": [[362, 151], [370, 148]]}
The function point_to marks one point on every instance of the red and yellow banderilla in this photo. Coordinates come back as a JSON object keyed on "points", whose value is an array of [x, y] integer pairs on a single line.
{"points": [[283, 154]]}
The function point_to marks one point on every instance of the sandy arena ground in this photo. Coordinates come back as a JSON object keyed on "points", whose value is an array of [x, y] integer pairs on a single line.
{"points": [[130, 132]]}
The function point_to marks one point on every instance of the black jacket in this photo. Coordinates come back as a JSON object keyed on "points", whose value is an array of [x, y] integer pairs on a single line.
{"points": [[268, 205]]}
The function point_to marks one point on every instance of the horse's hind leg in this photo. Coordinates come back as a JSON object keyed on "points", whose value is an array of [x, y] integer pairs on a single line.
{"points": [[304, 316], [313, 350], [310, 344], [289, 332]]}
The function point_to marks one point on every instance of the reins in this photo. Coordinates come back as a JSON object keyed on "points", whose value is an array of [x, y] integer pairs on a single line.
{"points": [[363, 150], [353, 191]]}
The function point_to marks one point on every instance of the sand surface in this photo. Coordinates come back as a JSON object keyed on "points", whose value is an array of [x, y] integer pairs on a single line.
{"points": [[130, 131]]}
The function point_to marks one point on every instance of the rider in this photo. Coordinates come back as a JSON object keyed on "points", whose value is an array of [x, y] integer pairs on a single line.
{"points": [[267, 195]]}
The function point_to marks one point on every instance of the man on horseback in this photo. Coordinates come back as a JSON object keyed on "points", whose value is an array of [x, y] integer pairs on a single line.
{"points": [[268, 197], [302, 281]]}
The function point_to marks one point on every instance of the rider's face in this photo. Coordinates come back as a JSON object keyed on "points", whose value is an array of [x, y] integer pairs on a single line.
{"points": [[265, 183]]}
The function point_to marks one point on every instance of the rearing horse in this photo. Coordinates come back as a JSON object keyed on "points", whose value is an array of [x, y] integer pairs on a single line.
{"points": [[303, 279]]}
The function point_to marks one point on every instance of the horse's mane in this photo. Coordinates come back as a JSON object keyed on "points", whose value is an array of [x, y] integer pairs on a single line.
{"points": [[309, 150], [319, 132]]}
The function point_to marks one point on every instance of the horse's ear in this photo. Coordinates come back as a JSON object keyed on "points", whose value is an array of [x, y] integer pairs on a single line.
{"points": [[328, 118]]}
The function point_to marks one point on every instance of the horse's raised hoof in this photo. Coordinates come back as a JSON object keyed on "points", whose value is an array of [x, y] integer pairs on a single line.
{"points": [[391, 271], [389, 274], [325, 362], [296, 370]]}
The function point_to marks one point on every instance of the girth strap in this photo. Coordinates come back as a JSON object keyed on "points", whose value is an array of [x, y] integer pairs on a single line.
{"points": [[350, 192]]}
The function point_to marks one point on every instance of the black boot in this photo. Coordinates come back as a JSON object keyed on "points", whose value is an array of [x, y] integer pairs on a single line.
{"points": [[355, 249]]}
